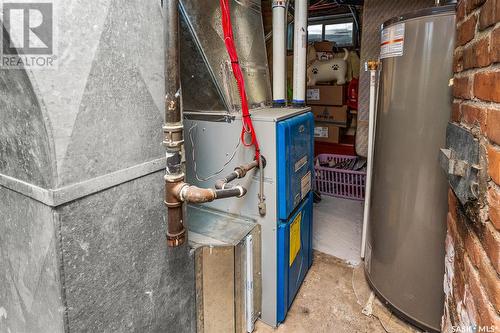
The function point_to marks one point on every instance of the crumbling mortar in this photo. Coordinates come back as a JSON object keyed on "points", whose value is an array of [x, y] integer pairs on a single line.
{"points": [[470, 72]]}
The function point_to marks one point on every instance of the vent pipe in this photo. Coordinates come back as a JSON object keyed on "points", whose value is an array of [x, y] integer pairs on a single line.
{"points": [[300, 53], [279, 53]]}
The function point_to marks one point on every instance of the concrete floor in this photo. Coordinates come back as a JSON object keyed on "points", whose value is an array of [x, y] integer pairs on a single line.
{"points": [[332, 300], [337, 228]]}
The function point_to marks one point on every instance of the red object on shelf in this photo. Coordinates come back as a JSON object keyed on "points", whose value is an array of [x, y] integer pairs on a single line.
{"points": [[333, 148], [352, 94]]}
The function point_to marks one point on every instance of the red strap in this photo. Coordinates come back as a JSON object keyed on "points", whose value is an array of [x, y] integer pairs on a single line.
{"points": [[238, 75]]}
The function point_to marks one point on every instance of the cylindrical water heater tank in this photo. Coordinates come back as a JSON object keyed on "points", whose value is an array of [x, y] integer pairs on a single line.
{"points": [[404, 259]]}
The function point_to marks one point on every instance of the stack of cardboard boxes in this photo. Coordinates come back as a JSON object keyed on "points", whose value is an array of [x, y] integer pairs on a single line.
{"points": [[330, 111]]}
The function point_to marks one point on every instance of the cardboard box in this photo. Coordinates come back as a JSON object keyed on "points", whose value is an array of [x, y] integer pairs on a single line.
{"points": [[324, 46], [326, 132], [330, 114], [326, 95]]}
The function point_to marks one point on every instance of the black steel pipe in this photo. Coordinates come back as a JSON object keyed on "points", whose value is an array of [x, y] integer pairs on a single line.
{"points": [[172, 128], [239, 172], [237, 191], [172, 71]]}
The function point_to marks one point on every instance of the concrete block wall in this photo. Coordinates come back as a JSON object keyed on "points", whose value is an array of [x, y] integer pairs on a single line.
{"points": [[472, 279]]}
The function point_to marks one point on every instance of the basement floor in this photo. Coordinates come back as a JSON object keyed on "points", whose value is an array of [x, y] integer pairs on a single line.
{"points": [[333, 298]]}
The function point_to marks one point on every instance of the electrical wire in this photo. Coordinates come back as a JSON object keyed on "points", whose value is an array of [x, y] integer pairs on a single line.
{"points": [[247, 128], [193, 154]]}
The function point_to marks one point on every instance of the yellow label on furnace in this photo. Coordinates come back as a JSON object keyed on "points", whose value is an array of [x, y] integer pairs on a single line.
{"points": [[295, 238]]}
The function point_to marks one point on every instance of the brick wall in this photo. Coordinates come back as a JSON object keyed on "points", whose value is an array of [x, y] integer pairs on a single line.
{"points": [[472, 280]]}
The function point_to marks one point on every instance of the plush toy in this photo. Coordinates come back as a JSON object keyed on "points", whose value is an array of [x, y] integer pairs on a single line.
{"points": [[328, 70]]}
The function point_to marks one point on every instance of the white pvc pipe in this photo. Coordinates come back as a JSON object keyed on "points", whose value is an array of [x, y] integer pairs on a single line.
{"points": [[371, 138], [300, 53], [279, 55]]}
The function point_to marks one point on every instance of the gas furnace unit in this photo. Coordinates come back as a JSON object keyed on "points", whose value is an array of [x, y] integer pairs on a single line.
{"points": [[287, 139], [278, 196]]}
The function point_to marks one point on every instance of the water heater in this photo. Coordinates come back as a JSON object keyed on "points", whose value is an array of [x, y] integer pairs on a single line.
{"points": [[404, 259]]}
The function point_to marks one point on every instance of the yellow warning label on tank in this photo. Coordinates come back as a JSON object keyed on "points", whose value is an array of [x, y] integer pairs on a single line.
{"points": [[295, 238]]}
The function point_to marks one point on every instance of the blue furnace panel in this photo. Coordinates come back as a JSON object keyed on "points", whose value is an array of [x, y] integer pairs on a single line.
{"points": [[291, 273], [295, 161]]}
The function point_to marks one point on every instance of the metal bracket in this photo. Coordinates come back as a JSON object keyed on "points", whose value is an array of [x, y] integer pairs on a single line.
{"points": [[460, 160]]}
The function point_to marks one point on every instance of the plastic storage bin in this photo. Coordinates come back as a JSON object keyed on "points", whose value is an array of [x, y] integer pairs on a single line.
{"points": [[348, 184]]}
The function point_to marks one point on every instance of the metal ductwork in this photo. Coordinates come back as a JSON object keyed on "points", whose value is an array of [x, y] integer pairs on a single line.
{"points": [[205, 62]]}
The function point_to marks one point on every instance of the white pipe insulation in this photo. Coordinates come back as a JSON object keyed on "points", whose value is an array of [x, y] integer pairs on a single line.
{"points": [[300, 53], [373, 66], [279, 53]]}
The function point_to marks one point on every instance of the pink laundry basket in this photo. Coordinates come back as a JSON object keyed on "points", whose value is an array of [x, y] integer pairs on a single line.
{"points": [[348, 184]]}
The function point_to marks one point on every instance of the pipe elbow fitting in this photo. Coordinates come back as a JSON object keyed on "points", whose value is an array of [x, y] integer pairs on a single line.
{"points": [[194, 194], [219, 185], [242, 190]]}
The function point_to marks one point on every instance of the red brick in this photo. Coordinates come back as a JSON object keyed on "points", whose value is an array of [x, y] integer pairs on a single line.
{"points": [[493, 125], [494, 207], [482, 52], [461, 11], [452, 204], [473, 249], [458, 279], [485, 311], [487, 274], [466, 30], [474, 115], [494, 163], [486, 86], [495, 45], [455, 112], [473, 4], [490, 14], [461, 88], [491, 244], [470, 308], [455, 236], [458, 61]]}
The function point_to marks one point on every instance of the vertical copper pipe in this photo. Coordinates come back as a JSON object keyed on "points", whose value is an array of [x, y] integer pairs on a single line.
{"points": [[172, 128]]}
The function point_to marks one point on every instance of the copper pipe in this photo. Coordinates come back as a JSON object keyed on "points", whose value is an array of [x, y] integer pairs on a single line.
{"points": [[176, 232]]}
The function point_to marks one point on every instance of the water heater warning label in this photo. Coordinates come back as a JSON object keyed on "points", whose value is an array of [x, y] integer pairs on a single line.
{"points": [[392, 41], [295, 238]]}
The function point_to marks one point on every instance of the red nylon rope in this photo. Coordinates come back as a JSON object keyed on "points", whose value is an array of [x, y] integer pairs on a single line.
{"points": [[238, 75]]}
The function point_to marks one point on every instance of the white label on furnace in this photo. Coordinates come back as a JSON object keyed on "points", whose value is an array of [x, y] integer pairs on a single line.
{"points": [[300, 163], [313, 94], [320, 132], [392, 41], [305, 184]]}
